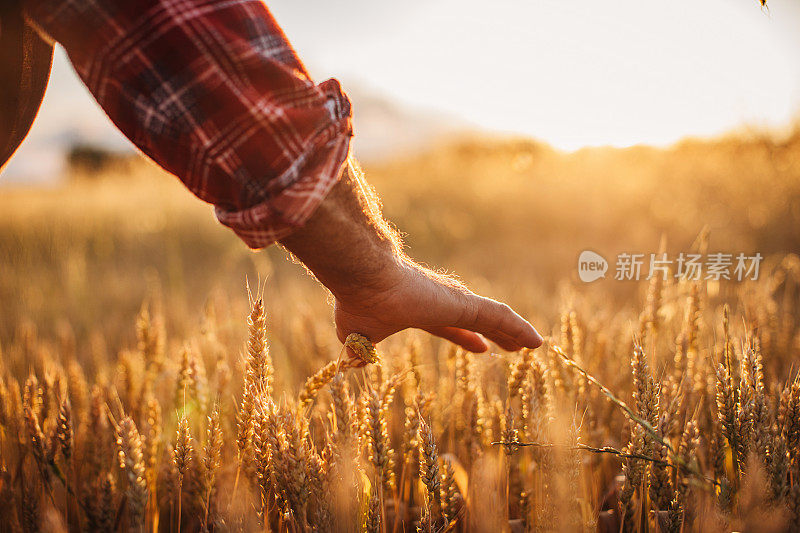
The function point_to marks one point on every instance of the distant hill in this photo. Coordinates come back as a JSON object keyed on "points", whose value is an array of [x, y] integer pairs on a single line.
{"points": [[385, 129]]}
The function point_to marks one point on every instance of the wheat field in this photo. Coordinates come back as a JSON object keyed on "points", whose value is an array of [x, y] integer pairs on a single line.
{"points": [[156, 376]]}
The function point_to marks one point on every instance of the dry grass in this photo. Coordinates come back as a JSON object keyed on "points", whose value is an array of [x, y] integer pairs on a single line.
{"points": [[661, 406], [708, 437]]}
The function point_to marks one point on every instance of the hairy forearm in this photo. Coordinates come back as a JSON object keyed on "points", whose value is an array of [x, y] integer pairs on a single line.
{"points": [[346, 243]]}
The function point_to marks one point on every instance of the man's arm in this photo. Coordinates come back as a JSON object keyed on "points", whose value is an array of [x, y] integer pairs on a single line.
{"points": [[379, 290], [214, 93]]}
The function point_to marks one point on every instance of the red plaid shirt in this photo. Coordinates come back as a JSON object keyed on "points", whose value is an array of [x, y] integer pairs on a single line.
{"points": [[212, 91]]}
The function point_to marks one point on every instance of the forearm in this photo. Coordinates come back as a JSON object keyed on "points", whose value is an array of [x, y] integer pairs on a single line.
{"points": [[346, 243]]}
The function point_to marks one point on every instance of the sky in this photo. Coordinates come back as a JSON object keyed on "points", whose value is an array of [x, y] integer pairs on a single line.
{"points": [[572, 73]]}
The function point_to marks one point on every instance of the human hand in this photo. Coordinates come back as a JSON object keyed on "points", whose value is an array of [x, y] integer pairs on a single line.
{"points": [[379, 291], [410, 296]]}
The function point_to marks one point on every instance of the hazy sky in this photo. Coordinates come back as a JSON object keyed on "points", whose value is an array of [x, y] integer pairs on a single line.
{"points": [[569, 72], [574, 73]]}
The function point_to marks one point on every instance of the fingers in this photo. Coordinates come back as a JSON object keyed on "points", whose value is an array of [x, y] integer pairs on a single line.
{"points": [[498, 322], [504, 341], [351, 355], [375, 334], [468, 340]]}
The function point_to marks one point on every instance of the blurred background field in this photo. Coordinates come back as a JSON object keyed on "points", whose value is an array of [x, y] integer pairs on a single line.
{"points": [[509, 216]]}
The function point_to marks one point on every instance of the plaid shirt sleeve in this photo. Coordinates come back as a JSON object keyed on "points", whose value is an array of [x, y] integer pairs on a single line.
{"points": [[212, 91]]}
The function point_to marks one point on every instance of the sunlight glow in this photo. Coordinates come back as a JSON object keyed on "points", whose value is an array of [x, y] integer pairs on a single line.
{"points": [[575, 73]]}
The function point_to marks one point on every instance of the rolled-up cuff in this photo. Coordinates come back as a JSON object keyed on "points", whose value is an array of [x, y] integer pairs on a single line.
{"points": [[303, 185]]}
